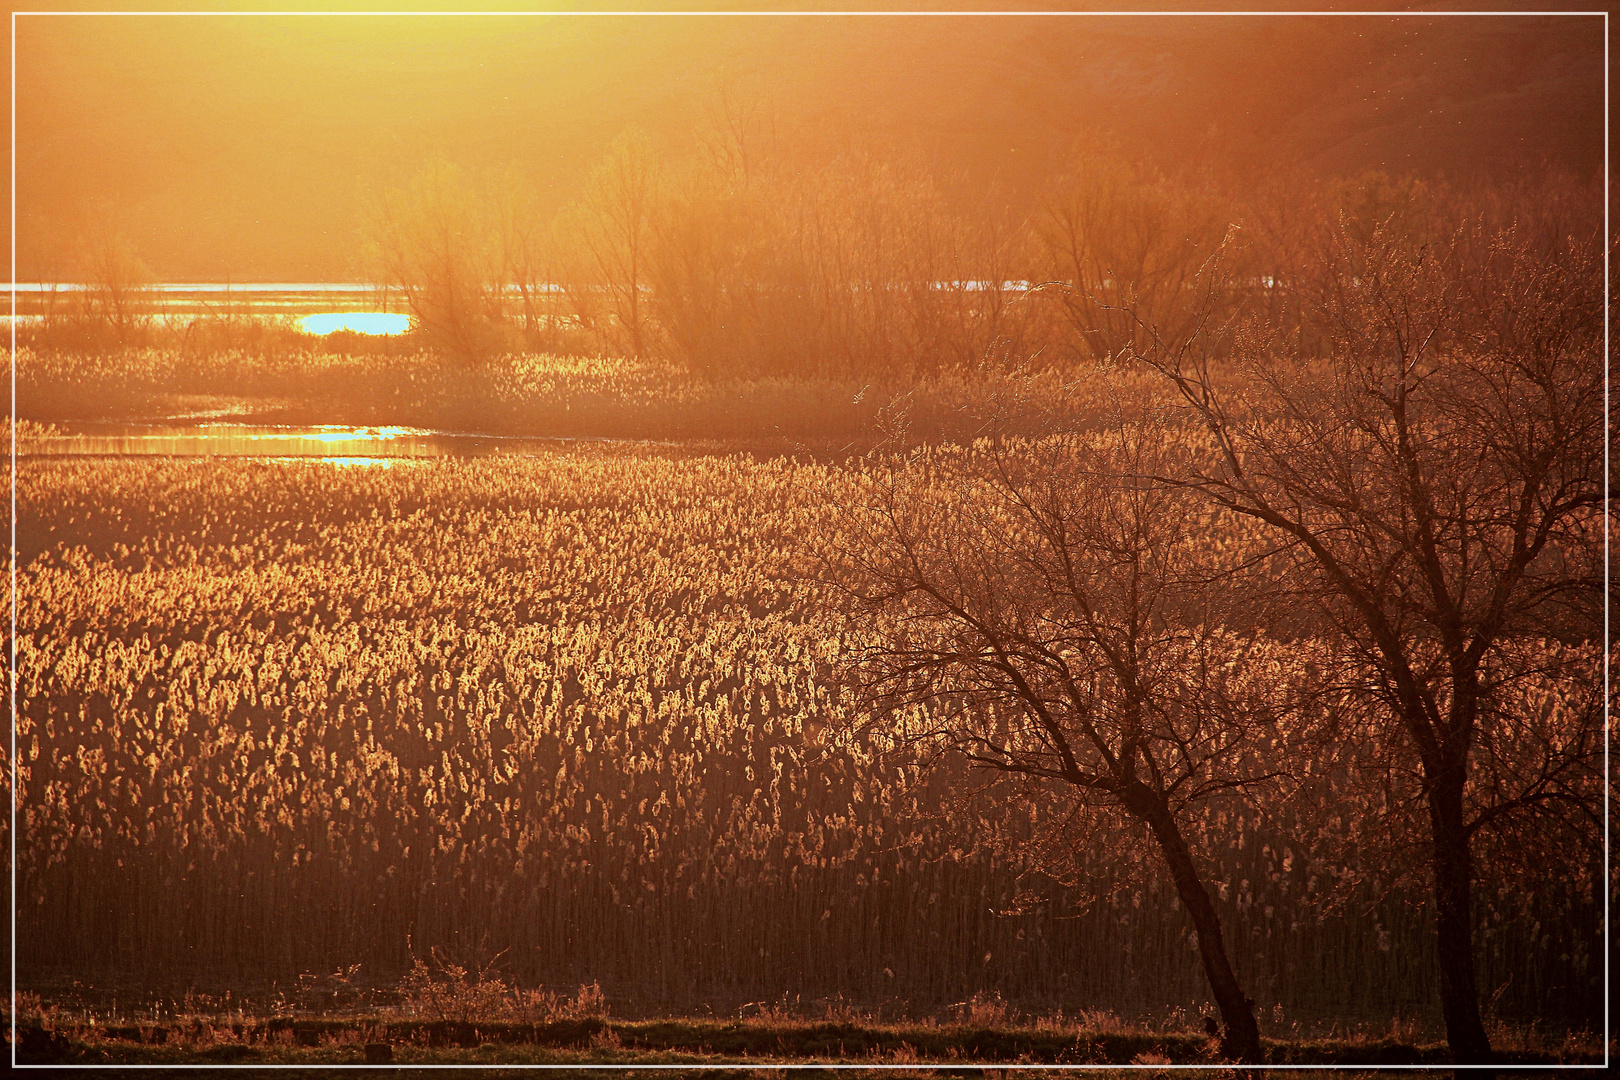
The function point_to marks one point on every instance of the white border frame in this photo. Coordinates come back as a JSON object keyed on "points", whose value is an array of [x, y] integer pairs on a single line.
{"points": [[1608, 985]]}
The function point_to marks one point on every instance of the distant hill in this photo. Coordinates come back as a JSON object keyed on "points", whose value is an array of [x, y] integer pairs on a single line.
{"points": [[243, 148]]}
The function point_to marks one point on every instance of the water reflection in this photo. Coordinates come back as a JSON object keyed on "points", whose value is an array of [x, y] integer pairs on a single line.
{"points": [[319, 324], [348, 462], [327, 442]]}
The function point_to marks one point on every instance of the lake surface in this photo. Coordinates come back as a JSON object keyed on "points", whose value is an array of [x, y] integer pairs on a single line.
{"points": [[318, 307], [333, 443]]}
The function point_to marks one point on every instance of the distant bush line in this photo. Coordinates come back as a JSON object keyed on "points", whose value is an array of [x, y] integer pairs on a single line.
{"points": [[750, 256], [545, 395]]}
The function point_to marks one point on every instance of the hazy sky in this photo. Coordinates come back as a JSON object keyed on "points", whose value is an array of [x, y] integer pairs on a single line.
{"points": [[243, 146]]}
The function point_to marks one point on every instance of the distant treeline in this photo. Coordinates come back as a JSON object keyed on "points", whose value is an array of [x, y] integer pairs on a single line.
{"points": [[755, 255], [751, 257]]}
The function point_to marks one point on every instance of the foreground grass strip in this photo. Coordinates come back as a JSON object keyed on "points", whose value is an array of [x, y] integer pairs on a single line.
{"points": [[594, 1041]]}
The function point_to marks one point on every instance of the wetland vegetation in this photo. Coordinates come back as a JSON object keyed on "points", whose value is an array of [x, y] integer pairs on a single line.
{"points": [[784, 604]]}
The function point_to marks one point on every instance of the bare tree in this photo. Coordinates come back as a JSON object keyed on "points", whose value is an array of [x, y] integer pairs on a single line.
{"points": [[441, 240], [526, 255], [1037, 608], [117, 296], [1436, 484], [613, 225], [1123, 246], [45, 256]]}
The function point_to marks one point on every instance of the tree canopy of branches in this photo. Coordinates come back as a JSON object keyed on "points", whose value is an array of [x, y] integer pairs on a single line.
{"points": [[454, 244], [116, 286], [612, 226], [1436, 485], [1123, 244], [1039, 609]]}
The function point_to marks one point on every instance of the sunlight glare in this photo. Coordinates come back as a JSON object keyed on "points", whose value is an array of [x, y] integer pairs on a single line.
{"points": [[332, 433], [361, 322], [348, 462]]}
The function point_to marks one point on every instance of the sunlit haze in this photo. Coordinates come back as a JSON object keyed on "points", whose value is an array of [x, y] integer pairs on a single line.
{"points": [[940, 543], [245, 147]]}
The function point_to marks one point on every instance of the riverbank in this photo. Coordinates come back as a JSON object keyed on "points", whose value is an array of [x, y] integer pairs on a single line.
{"points": [[545, 396], [700, 1043]]}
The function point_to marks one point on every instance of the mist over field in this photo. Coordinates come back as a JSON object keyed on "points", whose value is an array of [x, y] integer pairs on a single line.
{"points": [[749, 541]]}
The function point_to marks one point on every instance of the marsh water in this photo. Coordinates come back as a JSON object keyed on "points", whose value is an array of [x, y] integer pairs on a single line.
{"points": [[317, 308], [326, 442]]}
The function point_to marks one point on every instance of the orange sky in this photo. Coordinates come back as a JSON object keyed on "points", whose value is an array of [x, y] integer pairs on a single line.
{"points": [[237, 146]]}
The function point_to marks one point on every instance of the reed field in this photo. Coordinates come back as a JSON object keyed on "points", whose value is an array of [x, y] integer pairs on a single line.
{"points": [[940, 543], [575, 719]]}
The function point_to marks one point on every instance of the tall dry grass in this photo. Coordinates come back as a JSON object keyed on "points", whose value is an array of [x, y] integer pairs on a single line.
{"points": [[280, 718]]}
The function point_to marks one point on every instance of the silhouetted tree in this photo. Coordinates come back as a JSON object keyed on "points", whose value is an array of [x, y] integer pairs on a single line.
{"points": [[1436, 484], [117, 296], [613, 228], [1123, 246], [1039, 609], [438, 239], [527, 256]]}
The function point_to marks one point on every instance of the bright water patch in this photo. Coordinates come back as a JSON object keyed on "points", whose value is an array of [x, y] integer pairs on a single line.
{"points": [[325, 442], [330, 443], [361, 322]]}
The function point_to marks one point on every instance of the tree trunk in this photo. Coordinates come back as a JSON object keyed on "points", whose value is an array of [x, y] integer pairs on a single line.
{"points": [[1240, 1037], [1453, 887]]}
